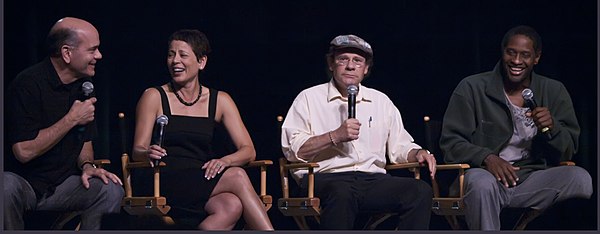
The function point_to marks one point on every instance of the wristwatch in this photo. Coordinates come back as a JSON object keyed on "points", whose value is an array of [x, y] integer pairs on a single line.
{"points": [[87, 162]]}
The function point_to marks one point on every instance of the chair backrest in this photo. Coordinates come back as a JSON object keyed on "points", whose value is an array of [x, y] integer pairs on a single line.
{"points": [[297, 207], [433, 131], [124, 155], [452, 206], [300, 206], [134, 205]]}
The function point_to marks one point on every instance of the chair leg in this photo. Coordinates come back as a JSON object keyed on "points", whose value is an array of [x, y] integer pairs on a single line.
{"points": [[168, 220], [63, 219], [375, 220], [527, 217], [453, 221], [301, 222]]}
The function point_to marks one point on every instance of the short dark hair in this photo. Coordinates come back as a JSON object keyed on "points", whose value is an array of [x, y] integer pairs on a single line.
{"points": [[57, 38], [525, 31], [196, 39]]}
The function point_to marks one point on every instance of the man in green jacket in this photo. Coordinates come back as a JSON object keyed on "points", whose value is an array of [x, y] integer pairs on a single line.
{"points": [[511, 144]]}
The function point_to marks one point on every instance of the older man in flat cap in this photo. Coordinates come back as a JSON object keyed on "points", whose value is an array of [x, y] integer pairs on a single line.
{"points": [[350, 142]]}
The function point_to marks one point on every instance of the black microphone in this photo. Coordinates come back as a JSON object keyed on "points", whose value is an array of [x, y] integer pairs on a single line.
{"points": [[162, 121], [529, 102], [352, 91], [87, 89]]}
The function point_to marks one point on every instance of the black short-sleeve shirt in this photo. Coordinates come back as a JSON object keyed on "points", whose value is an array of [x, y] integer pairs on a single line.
{"points": [[36, 100]]}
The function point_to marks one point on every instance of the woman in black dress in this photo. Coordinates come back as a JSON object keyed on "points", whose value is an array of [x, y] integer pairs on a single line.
{"points": [[213, 188]]}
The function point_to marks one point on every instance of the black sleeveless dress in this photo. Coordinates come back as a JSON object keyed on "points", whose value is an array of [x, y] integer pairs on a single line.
{"points": [[188, 141]]}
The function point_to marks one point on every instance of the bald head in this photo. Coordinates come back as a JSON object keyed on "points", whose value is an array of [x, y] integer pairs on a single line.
{"points": [[67, 31], [70, 22]]}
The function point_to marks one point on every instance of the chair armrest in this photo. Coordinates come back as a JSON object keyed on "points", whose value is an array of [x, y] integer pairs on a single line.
{"points": [[567, 163], [262, 164], [452, 166], [101, 162], [460, 167], [300, 165], [258, 163], [146, 164], [409, 165], [285, 166]]}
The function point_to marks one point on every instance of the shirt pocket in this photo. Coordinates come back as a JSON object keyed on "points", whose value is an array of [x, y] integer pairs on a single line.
{"points": [[489, 134], [376, 137]]}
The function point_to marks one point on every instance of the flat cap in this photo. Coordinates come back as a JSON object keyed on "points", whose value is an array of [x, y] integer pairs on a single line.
{"points": [[351, 41]]}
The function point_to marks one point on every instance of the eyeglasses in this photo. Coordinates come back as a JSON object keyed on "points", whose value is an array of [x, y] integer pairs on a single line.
{"points": [[344, 61]]}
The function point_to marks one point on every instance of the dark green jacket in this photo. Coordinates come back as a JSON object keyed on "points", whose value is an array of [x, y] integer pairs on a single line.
{"points": [[478, 122]]}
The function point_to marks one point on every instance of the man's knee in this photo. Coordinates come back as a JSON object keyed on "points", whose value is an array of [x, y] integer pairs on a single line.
{"points": [[337, 193], [110, 193], [578, 180], [12, 185], [480, 181], [426, 193], [114, 192], [421, 195], [423, 188], [17, 190]]}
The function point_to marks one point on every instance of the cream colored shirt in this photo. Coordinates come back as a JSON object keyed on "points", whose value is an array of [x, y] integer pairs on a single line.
{"points": [[322, 108]]}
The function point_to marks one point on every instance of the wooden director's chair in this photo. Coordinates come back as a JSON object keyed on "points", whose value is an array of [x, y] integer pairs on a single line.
{"points": [[156, 204], [299, 208], [451, 206]]}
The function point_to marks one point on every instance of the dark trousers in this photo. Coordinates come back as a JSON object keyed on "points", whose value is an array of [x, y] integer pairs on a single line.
{"points": [[344, 195], [70, 195]]}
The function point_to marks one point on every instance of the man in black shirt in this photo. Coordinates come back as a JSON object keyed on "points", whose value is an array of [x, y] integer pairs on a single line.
{"points": [[50, 127]]}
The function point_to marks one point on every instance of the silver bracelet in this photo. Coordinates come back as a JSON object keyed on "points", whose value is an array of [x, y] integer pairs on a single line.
{"points": [[331, 138]]}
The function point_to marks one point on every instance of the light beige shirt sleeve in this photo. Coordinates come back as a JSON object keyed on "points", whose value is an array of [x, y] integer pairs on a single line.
{"points": [[321, 109]]}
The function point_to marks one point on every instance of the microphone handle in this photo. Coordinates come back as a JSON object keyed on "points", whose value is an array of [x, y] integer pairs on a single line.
{"points": [[532, 105], [81, 129], [85, 96], [160, 142], [351, 106]]}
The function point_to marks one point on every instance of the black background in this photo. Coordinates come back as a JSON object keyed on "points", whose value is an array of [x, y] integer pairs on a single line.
{"points": [[266, 52]]}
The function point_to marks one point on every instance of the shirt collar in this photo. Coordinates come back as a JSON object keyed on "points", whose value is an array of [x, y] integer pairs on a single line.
{"points": [[54, 79], [333, 93]]}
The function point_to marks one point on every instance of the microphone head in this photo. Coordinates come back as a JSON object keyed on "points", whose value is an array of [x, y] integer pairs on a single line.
{"points": [[527, 94], [87, 88], [352, 89], [162, 120]]}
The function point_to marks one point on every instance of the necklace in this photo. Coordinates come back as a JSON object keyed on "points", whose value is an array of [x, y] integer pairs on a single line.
{"points": [[181, 99]]}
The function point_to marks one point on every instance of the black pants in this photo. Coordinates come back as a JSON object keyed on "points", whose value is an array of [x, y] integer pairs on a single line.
{"points": [[344, 195]]}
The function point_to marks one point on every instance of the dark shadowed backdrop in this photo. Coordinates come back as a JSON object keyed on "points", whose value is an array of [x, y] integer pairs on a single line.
{"points": [[266, 52]]}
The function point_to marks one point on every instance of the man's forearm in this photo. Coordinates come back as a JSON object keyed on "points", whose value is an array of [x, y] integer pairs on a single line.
{"points": [[86, 156], [47, 138], [316, 144]]}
